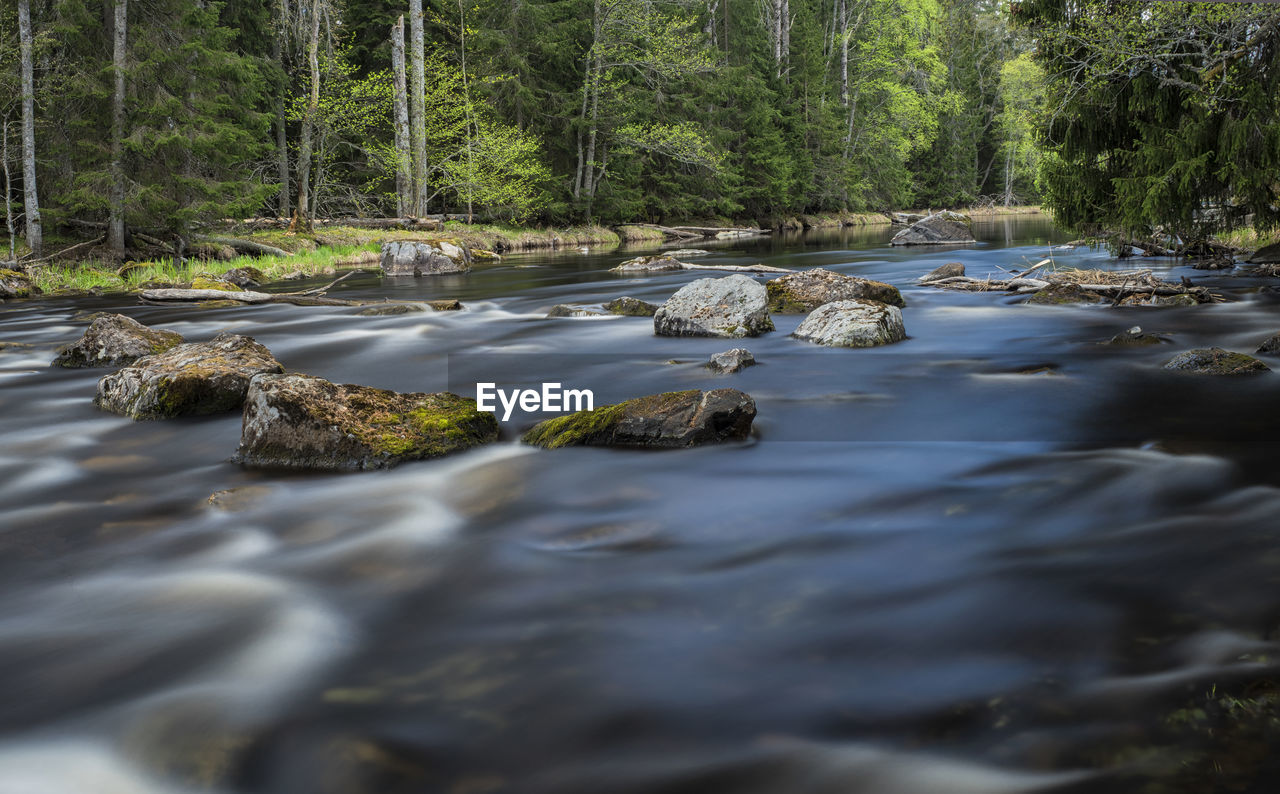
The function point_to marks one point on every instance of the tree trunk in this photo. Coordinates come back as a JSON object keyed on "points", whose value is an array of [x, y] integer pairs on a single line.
{"points": [[404, 155], [844, 53], [30, 197], [282, 141], [115, 213], [301, 217], [8, 191], [417, 109]]}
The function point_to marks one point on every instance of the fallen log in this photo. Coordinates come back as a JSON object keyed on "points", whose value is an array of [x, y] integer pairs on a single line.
{"points": [[65, 252], [737, 268], [246, 247], [716, 231]]}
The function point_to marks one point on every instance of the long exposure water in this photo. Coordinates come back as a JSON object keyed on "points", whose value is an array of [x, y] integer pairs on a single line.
{"points": [[928, 570]]}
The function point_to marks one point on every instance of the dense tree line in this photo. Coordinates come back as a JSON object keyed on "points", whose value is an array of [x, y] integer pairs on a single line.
{"points": [[151, 116]]}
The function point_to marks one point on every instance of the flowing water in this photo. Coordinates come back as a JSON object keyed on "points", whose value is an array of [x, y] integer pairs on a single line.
{"points": [[928, 570]]}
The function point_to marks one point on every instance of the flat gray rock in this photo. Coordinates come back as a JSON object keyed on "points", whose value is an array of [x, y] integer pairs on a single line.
{"points": [[855, 323], [1215, 361], [731, 360], [940, 228], [417, 258], [733, 307]]}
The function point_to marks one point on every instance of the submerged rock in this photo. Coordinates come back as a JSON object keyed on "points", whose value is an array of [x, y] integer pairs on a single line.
{"points": [[1135, 337], [671, 420], [731, 360], [391, 309], [938, 228], [631, 307], [245, 277], [418, 258], [16, 285], [1183, 299], [803, 292], [114, 340], [304, 422], [733, 306], [1215, 361], [949, 270], [650, 264], [565, 310], [856, 323], [1270, 346], [194, 378], [1061, 294]]}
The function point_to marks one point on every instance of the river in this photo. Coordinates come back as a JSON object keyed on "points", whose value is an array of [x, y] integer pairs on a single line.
{"points": [[995, 557]]}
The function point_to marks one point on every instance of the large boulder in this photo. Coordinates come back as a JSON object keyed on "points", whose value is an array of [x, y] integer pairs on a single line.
{"points": [[937, 229], [852, 324], [419, 258], [650, 264], [803, 292], [16, 285], [304, 422], [114, 340], [1215, 361], [194, 378], [631, 307], [1266, 255], [671, 420], [245, 277], [733, 306]]}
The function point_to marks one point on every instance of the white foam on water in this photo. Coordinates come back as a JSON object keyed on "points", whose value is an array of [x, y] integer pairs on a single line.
{"points": [[72, 767]]}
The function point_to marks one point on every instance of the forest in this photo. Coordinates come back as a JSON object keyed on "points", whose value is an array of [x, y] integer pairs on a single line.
{"points": [[166, 115]]}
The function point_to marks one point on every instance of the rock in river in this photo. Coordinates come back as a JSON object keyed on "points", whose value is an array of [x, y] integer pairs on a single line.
{"points": [[631, 307], [1135, 337], [304, 422], [803, 292], [194, 378], [650, 264], [565, 310], [1270, 346], [114, 340], [852, 324], [419, 258], [731, 360], [949, 270], [671, 420], [733, 306], [16, 285], [938, 228], [1216, 361]]}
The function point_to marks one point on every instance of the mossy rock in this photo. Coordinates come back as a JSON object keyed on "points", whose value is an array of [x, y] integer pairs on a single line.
{"points": [[1135, 337], [565, 310], [631, 307], [670, 420], [201, 282], [304, 422], [190, 379], [801, 293], [114, 340], [1215, 361], [16, 285]]}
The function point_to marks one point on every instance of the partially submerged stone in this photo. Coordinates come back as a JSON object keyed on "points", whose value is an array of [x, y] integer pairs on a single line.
{"points": [[937, 229], [1270, 346], [304, 422], [671, 420], [565, 310], [731, 360], [193, 378], [1182, 299], [391, 309], [16, 285], [114, 340], [1215, 361], [803, 292], [734, 306], [1135, 337], [420, 258], [855, 323], [631, 307], [1062, 294], [650, 264], [949, 270]]}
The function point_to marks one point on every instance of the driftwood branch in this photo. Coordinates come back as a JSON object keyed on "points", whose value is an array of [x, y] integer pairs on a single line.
{"points": [[737, 268], [66, 251]]}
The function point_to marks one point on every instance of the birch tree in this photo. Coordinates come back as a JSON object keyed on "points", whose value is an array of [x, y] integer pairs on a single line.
{"points": [[405, 193], [417, 109], [30, 197]]}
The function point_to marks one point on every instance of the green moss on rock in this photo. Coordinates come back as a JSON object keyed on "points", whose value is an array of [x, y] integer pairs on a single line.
{"points": [[669, 420]]}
